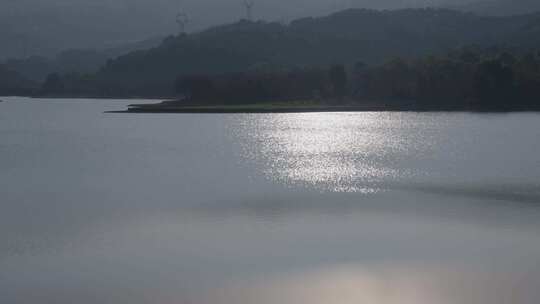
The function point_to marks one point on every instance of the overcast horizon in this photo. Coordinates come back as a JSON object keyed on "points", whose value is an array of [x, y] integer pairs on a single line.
{"points": [[37, 27]]}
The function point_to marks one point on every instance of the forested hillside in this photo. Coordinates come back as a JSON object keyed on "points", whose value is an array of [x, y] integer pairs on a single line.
{"points": [[345, 37]]}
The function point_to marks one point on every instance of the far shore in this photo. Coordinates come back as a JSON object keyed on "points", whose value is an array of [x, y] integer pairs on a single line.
{"points": [[301, 106], [296, 107], [242, 109]]}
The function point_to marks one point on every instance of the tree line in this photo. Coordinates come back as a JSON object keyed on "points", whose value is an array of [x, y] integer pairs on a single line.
{"points": [[255, 87], [467, 79]]}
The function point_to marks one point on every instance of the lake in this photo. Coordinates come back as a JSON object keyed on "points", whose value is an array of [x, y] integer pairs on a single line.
{"points": [[266, 208]]}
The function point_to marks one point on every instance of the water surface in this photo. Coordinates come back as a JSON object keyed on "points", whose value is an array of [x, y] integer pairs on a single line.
{"points": [[267, 208]]}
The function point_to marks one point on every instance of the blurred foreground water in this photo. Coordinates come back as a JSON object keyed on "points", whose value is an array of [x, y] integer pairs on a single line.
{"points": [[266, 208]]}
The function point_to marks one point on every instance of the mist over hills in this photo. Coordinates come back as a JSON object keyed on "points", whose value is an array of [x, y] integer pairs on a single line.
{"points": [[498, 7], [36, 68], [45, 28]]}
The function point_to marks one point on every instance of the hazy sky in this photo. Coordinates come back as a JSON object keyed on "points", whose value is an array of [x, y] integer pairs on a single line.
{"points": [[208, 12], [46, 26], [203, 12]]}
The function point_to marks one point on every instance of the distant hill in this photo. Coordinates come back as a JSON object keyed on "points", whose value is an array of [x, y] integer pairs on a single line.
{"points": [[47, 27], [82, 61], [499, 7], [345, 37]]}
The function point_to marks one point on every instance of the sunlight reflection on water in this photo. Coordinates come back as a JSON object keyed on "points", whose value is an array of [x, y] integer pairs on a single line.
{"points": [[396, 284], [306, 149]]}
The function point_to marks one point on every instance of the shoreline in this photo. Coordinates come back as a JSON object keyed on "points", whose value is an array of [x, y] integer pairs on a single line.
{"points": [[153, 109], [171, 106]]}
